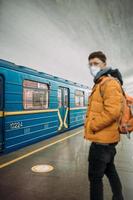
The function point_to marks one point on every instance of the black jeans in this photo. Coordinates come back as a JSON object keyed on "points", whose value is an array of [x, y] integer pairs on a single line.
{"points": [[101, 161]]}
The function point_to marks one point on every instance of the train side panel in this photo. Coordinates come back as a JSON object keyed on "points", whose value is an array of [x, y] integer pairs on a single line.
{"points": [[25, 125]]}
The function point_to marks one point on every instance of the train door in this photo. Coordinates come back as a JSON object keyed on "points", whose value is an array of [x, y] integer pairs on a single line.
{"points": [[63, 106], [1, 112]]}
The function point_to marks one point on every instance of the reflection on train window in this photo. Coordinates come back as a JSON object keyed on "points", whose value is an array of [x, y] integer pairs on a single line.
{"points": [[35, 95], [59, 97], [66, 97], [79, 98]]}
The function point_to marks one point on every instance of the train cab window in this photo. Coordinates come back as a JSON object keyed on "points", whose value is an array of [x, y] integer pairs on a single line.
{"points": [[35, 95], [79, 98]]}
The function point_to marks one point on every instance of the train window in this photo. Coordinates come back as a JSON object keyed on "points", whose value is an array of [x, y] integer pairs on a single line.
{"points": [[35, 95], [59, 97], [88, 92], [79, 98], [65, 97]]}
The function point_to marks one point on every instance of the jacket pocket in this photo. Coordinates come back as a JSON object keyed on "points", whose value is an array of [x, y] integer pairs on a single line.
{"points": [[88, 130]]}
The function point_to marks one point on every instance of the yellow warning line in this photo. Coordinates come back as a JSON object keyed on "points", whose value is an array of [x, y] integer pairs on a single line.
{"points": [[37, 150]]}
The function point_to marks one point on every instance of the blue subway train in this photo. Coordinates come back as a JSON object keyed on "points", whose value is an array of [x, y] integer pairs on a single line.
{"points": [[35, 106]]}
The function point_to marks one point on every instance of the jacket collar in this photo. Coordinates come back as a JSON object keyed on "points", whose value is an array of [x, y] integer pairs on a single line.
{"points": [[109, 71], [101, 73]]}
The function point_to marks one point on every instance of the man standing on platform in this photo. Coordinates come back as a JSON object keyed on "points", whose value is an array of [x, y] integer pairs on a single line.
{"points": [[101, 126]]}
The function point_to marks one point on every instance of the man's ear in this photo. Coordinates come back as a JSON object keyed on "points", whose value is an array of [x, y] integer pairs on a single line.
{"points": [[105, 64]]}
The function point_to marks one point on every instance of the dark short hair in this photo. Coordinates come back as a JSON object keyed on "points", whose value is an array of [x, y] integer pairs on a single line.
{"points": [[98, 54]]}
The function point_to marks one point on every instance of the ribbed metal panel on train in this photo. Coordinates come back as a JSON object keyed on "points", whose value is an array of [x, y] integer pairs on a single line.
{"points": [[36, 106]]}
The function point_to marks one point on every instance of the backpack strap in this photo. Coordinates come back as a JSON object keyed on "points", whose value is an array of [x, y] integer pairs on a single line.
{"points": [[106, 80], [103, 82]]}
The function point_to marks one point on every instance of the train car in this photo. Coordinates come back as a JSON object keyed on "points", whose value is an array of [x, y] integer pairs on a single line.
{"points": [[35, 106]]}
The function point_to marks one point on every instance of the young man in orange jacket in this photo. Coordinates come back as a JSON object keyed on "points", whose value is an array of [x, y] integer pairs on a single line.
{"points": [[101, 126]]}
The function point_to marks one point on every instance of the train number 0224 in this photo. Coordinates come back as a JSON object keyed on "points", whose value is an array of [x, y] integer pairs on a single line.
{"points": [[16, 125]]}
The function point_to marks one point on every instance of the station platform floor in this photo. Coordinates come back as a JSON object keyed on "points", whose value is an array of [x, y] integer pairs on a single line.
{"points": [[68, 154]]}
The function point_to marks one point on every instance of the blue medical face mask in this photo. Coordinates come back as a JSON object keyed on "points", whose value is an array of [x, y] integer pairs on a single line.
{"points": [[94, 70]]}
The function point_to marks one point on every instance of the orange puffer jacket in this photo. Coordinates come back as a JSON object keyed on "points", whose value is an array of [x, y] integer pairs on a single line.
{"points": [[104, 111]]}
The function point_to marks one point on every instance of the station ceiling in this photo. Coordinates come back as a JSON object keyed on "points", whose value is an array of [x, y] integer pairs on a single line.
{"points": [[56, 36]]}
